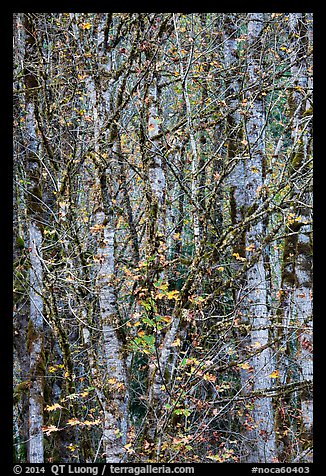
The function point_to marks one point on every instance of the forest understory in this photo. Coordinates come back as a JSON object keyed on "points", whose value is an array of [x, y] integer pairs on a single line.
{"points": [[162, 247]]}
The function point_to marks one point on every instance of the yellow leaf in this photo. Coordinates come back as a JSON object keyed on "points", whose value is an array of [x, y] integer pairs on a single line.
{"points": [[167, 319], [73, 422], [250, 247], [275, 374], [176, 343], [129, 449], [85, 26], [91, 423], [49, 429], [176, 236], [209, 377], [72, 448], [238, 257], [50, 408], [173, 294], [244, 366]]}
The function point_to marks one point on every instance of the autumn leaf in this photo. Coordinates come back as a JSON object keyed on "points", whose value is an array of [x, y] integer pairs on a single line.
{"points": [[173, 294], [91, 423], [275, 374], [85, 26], [210, 377], [49, 429], [251, 247], [129, 448], [96, 228], [176, 343], [244, 366], [215, 458], [72, 447], [176, 236], [147, 445], [84, 394], [54, 368], [238, 257], [50, 408], [73, 422], [167, 319]]}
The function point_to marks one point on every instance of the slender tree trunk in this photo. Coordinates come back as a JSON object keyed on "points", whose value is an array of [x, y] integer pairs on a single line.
{"points": [[296, 277], [262, 363], [156, 173], [194, 152], [21, 305], [35, 326], [302, 191], [156, 239], [36, 348], [238, 182], [34, 200], [115, 383], [111, 383]]}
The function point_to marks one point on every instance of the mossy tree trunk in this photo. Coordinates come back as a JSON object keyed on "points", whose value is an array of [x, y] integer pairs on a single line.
{"points": [[164, 209], [195, 158], [115, 379], [301, 214], [237, 198], [256, 299], [21, 270], [34, 201], [156, 244]]}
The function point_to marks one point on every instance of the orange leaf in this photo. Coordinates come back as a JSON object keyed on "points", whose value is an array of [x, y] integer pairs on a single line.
{"points": [[275, 374]]}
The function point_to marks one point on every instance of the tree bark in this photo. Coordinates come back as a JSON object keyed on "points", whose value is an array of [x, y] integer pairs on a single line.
{"points": [[36, 348], [301, 110], [115, 380], [34, 200], [262, 363]]}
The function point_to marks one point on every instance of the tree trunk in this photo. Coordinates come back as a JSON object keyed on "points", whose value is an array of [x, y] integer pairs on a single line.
{"points": [[34, 200], [195, 194], [36, 348], [301, 112], [115, 383], [262, 363]]}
